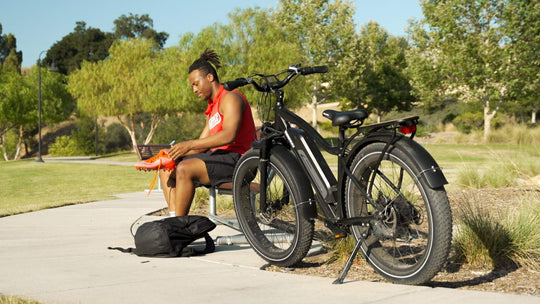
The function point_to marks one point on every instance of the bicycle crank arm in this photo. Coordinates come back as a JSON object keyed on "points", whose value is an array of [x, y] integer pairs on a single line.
{"points": [[357, 220]]}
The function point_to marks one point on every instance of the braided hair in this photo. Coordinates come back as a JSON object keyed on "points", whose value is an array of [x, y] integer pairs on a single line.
{"points": [[208, 63]]}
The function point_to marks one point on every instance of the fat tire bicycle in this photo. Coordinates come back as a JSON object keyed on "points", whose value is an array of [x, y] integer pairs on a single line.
{"points": [[389, 192]]}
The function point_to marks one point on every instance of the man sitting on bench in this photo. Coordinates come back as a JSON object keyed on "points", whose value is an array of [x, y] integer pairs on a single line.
{"points": [[210, 159]]}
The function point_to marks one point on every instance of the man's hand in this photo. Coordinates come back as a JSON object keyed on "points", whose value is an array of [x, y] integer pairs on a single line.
{"points": [[180, 149]]}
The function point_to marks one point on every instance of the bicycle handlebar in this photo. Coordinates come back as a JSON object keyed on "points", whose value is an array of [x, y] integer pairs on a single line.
{"points": [[233, 84], [269, 87], [314, 70]]}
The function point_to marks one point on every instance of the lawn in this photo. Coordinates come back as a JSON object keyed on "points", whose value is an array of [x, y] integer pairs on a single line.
{"points": [[28, 185]]}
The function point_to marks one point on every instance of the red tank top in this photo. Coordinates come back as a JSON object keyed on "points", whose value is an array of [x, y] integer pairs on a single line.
{"points": [[246, 133]]}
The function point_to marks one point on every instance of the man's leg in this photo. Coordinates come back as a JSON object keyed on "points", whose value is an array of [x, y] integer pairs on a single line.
{"points": [[187, 172], [168, 184]]}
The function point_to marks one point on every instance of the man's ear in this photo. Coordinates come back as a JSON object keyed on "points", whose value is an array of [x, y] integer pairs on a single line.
{"points": [[210, 77]]}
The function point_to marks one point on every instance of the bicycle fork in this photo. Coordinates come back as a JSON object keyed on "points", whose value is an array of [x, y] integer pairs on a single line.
{"points": [[264, 159]]}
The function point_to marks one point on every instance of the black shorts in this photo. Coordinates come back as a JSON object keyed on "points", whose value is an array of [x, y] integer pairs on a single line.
{"points": [[219, 165]]}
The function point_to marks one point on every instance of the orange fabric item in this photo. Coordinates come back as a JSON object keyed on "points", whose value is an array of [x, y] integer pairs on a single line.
{"points": [[160, 161]]}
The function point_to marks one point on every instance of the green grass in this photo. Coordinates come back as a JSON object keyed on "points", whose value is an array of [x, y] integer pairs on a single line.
{"points": [[15, 300], [29, 185], [478, 166], [494, 239]]}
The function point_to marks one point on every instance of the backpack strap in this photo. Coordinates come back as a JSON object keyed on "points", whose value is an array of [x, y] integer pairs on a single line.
{"points": [[124, 250], [209, 248]]}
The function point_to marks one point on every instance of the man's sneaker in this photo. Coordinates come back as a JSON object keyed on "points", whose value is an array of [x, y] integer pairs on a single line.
{"points": [[160, 161]]}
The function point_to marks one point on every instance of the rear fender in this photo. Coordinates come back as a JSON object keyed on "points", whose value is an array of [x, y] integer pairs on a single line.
{"points": [[429, 169]]}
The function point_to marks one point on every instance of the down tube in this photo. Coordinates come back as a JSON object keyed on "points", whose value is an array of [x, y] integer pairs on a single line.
{"points": [[314, 164]]}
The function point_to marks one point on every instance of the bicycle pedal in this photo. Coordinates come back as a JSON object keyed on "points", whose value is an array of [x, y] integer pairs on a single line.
{"points": [[339, 235]]}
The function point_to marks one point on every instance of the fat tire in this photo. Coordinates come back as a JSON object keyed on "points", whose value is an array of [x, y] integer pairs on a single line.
{"points": [[286, 169], [436, 208]]}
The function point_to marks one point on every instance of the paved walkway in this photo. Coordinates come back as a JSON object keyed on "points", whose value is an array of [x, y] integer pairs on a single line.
{"points": [[60, 255]]}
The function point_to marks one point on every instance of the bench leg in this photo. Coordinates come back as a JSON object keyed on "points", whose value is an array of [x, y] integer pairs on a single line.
{"points": [[212, 202], [212, 211]]}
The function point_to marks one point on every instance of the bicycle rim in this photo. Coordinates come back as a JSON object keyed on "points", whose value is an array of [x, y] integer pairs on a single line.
{"points": [[399, 243], [276, 233]]}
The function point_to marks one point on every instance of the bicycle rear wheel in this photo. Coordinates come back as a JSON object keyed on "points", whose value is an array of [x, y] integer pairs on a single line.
{"points": [[282, 233], [410, 238]]}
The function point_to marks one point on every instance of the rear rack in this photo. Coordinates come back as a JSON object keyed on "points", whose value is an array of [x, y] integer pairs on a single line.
{"points": [[407, 121]]}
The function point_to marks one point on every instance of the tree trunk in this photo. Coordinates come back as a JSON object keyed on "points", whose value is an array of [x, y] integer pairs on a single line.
{"points": [[130, 127], [533, 115], [19, 143], [314, 108], [487, 122], [130, 130], [156, 120], [488, 117], [3, 145]]}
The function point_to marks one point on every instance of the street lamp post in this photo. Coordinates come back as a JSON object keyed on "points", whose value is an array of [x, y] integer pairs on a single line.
{"points": [[39, 107], [53, 69]]}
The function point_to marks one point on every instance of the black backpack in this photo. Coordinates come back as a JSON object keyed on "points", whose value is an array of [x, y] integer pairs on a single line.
{"points": [[171, 236]]}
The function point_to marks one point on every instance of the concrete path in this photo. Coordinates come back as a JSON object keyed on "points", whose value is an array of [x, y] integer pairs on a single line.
{"points": [[60, 255]]}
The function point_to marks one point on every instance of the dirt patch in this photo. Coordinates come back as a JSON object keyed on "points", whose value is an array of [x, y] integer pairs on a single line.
{"points": [[508, 279]]}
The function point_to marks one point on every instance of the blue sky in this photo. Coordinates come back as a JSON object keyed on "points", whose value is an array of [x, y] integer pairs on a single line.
{"points": [[38, 24]]}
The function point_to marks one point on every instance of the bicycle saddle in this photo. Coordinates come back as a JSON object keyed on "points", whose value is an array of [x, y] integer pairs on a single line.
{"points": [[341, 118]]}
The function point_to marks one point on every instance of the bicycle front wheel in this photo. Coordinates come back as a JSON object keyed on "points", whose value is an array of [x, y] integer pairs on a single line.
{"points": [[280, 231], [409, 239]]}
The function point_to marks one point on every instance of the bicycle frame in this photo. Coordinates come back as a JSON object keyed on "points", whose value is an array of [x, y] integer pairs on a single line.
{"points": [[304, 141]]}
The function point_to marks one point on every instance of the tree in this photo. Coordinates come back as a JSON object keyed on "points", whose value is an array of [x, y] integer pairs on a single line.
{"points": [[10, 58], [383, 85], [459, 44], [136, 80], [255, 43], [8, 48], [325, 32], [135, 26], [84, 43], [521, 21], [19, 107]]}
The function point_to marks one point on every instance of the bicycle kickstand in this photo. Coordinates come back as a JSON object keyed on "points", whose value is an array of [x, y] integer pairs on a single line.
{"points": [[345, 270]]}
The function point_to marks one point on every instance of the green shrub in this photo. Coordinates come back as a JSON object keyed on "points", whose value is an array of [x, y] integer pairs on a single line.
{"points": [[65, 146], [514, 134], [489, 239], [468, 122], [481, 240], [115, 138], [525, 234], [470, 177], [84, 136]]}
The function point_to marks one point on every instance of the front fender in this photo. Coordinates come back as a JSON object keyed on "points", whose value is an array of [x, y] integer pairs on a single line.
{"points": [[304, 186]]}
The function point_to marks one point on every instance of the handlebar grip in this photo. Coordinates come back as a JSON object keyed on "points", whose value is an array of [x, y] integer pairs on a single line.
{"points": [[233, 84], [314, 70]]}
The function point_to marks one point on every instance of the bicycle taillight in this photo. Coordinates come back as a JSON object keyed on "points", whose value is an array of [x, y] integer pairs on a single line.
{"points": [[407, 129]]}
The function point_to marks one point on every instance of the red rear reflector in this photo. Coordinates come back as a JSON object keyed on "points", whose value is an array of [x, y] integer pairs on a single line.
{"points": [[407, 129]]}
